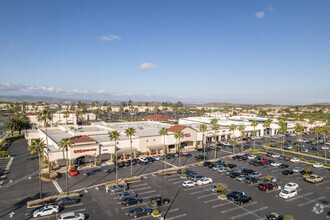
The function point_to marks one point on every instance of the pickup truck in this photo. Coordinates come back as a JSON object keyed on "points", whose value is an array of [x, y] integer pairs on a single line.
{"points": [[313, 178]]}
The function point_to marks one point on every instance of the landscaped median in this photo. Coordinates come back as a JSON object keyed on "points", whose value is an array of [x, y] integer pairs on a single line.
{"points": [[5, 142], [123, 181], [50, 199], [49, 177]]}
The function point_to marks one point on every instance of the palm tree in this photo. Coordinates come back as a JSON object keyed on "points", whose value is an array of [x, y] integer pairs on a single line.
{"points": [[215, 127], [44, 116], [64, 145], [179, 135], [78, 113], [324, 130], [283, 129], [114, 136], [121, 110], [38, 146], [202, 128], [241, 128], [59, 109], [233, 128], [12, 125], [66, 115], [266, 125], [109, 110], [164, 132], [316, 130], [254, 124], [298, 128], [129, 132]]}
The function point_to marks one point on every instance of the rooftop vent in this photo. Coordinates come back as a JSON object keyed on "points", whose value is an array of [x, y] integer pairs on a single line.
{"points": [[140, 127]]}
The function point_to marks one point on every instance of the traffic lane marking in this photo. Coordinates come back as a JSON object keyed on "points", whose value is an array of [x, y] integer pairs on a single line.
{"points": [[177, 216], [299, 197], [248, 213]]}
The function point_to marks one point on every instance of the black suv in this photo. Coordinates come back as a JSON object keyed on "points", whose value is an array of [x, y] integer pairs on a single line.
{"points": [[250, 180], [247, 171], [138, 212], [230, 165], [287, 172], [159, 200], [131, 201], [201, 157], [235, 174], [67, 201], [283, 165], [235, 194], [207, 163], [243, 199]]}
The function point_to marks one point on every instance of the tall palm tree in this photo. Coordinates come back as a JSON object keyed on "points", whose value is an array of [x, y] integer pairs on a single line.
{"points": [[316, 130], [254, 124], [178, 135], [109, 110], [78, 113], [38, 146], [121, 110], [12, 125], [324, 130], [66, 115], [298, 128], [202, 128], [164, 132], [44, 116], [129, 132], [215, 127], [59, 109], [64, 145], [233, 128], [114, 136], [241, 128], [283, 129], [266, 125]]}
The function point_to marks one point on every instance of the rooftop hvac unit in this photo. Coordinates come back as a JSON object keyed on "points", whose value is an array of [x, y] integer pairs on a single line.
{"points": [[140, 127]]}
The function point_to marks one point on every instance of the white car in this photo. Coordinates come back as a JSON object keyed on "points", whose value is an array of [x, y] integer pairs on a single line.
{"points": [[275, 155], [222, 169], [46, 210], [317, 165], [325, 148], [188, 184], [297, 169], [291, 186], [204, 181], [144, 160], [72, 215], [156, 157], [275, 164], [287, 194], [294, 160], [256, 174], [226, 143], [251, 157], [216, 167]]}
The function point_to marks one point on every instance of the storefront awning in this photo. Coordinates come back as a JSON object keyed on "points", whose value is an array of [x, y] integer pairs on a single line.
{"points": [[156, 147], [126, 150]]}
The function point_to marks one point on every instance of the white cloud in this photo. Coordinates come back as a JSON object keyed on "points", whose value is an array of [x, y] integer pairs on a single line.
{"points": [[110, 37], [260, 14], [147, 66], [10, 87]]}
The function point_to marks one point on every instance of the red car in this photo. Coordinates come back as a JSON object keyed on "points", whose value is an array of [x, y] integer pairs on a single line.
{"points": [[264, 160], [287, 158], [181, 154], [265, 186], [73, 172]]}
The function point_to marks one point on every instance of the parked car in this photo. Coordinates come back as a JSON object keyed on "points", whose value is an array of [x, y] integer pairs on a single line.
{"points": [[143, 160], [317, 165], [156, 157], [283, 165], [305, 150], [72, 216], [256, 174], [247, 171], [243, 199], [203, 181], [200, 157], [187, 154], [139, 212], [273, 180], [211, 165], [275, 155], [313, 178], [67, 201], [46, 210], [240, 178], [264, 160], [275, 216], [294, 160], [118, 188], [287, 158], [251, 157], [265, 186], [198, 177], [131, 201], [250, 180], [222, 169], [291, 186], [188, 184], [158, 200], [73, 172], [2, 171], [216, 167], [286, 194], [275, 164], [126, 194], [121, 164], [287, 172], [127, 163], [235, 194], [297, 169], [230, 165], [306, 171], [234, 174]]}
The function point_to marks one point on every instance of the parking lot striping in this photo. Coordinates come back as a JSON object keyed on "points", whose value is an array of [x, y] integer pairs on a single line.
{"points": [[74, 205], [142, 184], [175, 178], [199, 197], [131, 206], [149, 196], [169, 164], [193, 193], [152, 191], [175, 217], [322, 183], [178, 182], [211, 200], [57, 186], [311, 201], [17, 180], [148, 187], [173, 210], [238, 207], [273, 190], [248, 213], [301, 196], [222, 204]]}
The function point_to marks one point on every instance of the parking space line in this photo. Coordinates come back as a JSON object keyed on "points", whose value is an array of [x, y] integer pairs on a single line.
{"points": [[173, 210], [222, 204], [317, 184], [311, 201], [178, 216], [199, 197], [175, 178], [178, 182], [211, 200], [142, 184], [249, 213], [152, 191], [193, 193], [301, 196], [57, 186], [147, 197], [273, 190], [238, 207], [130, 206], [169, 164], [148, 187]]}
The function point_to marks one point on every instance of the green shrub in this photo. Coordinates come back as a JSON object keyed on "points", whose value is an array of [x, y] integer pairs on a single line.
{"points": [[155, 212], [45, 175], [3, 154], [222, 196]]}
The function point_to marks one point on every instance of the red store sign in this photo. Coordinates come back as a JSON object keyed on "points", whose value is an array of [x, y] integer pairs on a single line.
{"points": [[82, 151]]}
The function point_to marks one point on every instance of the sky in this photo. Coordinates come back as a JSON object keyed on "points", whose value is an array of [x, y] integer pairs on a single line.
{"points": [[237, 51]]}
